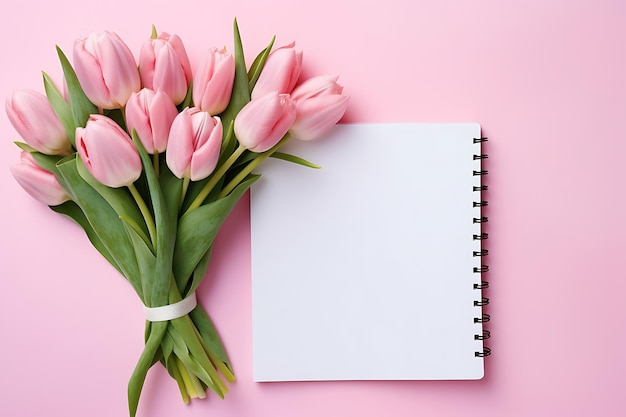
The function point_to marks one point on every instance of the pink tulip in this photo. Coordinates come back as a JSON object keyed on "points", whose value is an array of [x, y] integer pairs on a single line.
{"points": [[151, 115], [319, 106], [108, 152], [280, 73], [106, 70], [213, 83], [33, 118], [38, 182], [164, 65], [263, 122], [194, 144]]}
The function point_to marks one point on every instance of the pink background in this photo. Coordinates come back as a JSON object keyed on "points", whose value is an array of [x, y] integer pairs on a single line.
{"points": [[546, 80]]}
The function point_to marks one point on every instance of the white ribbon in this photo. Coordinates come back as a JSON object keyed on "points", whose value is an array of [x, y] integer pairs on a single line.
{"points": [[172, 311]]}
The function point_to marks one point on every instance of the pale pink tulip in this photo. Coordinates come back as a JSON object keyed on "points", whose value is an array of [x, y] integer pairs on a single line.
{"points": [[263, 122], [106, 70], [164, 65], [151, 115], [38, 182], [213, 82], [33, 118], [319, 106], [108, 152], [194, 144], [280, 73]]}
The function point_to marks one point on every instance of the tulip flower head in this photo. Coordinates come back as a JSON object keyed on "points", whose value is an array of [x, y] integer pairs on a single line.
{"points": [[151, 115], [263, 122], [213, 82], [38, 182], [32, 116], [106, 70], [108, 152], [280, 73], [164, 65], [319, 106], [194, 144]]}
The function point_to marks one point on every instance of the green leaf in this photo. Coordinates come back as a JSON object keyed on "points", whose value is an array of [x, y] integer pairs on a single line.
{"points": [[258, 64], [117, 116], [146, 261], [71, 210], [118, 198], [209, 335], [25, 146], [138, 231], [172, 188], [197, 230], [47, 162], [61, 108], [229, 142], [241, 92], [167, 345], [199, 272], [188, 100], [188, 348], [166, 231], [102, 218], [185, 335], [294, 159], [80, 104], [143, 365]]}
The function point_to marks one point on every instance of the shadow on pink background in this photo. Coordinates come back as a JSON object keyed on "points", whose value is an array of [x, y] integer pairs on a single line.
{"points": [[546, 80]]}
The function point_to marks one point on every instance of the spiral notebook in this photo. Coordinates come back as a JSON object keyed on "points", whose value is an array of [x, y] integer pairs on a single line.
{"points": [[371, 268]]}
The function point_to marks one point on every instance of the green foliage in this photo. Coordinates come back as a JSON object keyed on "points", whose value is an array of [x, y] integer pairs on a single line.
{"points": [[79, 103]]}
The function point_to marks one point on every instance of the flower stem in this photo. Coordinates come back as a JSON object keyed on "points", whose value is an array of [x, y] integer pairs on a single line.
{"points": [[248, 169], [145, 211], [155, 162], [216, 176], [187, 379], [183, 192]]}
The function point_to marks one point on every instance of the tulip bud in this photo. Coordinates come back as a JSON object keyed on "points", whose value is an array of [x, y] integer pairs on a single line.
{"points": [[151, 115], [280, 73], [164, 65], [108, 152], [106, 70], [264, 121], [319, 106], [32, 116], [194, 144], [38, 182], [213, 83]]}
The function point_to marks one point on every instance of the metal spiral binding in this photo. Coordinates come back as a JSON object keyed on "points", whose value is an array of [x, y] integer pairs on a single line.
{"points": [[481, 253]]}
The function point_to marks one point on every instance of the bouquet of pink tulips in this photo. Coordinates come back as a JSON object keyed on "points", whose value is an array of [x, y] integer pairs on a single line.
{"points": [[150, 162]]}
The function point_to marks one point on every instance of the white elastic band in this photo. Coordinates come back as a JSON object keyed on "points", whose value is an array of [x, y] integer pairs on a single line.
{"points": [[172, 311]]}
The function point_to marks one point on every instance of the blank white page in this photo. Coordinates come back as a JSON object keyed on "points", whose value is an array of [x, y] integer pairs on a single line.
{"points": [[364, 269]]}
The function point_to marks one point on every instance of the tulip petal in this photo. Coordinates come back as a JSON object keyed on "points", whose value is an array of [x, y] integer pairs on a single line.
{"points": [[37, 182], [32, 116], [108, 153], [320, 85], [169, 76], [280, 72], [213, 84], [317, 115], [204, 159], [264, 121], [119, 69], [89, 72], [180, 146], [106, 69]]}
